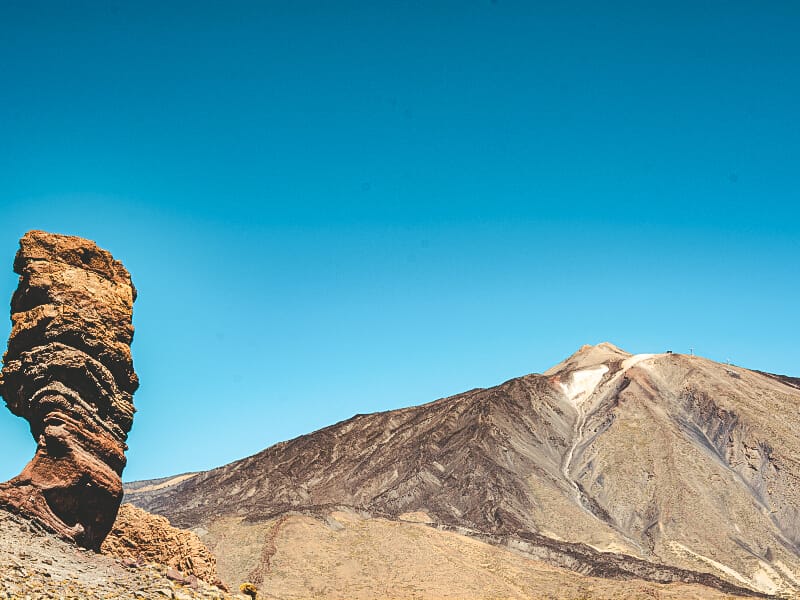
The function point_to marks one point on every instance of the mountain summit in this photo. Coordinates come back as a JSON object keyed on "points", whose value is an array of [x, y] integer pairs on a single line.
{"points": [[662, 467]]}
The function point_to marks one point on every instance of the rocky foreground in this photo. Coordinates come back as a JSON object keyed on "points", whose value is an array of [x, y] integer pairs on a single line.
{"points": [[144, 538], [35, 564], [407, 558]]}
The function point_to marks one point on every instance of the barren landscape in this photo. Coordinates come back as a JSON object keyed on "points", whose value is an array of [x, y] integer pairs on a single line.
{"points": [[610, 475], [407, 300], [661, 467]]}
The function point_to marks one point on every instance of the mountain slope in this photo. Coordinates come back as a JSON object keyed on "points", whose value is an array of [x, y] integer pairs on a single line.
{"points": [[660, 459], [351, 556]]}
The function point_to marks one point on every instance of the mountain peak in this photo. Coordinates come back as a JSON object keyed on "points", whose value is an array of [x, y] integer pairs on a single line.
{"points": [[624, 465], [606, 345], [589, 356]]}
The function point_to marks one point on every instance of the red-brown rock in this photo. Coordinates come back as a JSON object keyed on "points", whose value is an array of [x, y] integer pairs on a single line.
{"points": [[141, 537], [68, 371]]}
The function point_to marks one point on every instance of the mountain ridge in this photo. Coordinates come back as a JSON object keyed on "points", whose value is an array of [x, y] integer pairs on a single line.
{"points": [[603, 449]]}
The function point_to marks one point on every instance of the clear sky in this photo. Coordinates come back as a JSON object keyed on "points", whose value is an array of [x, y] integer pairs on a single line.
{"points": [[340, 207]]}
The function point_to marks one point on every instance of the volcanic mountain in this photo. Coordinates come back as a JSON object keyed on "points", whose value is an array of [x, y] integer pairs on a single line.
{"points": [[650, 467]]}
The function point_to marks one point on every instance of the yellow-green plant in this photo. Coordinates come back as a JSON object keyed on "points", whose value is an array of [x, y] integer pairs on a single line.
{"points": [[249, 589]]}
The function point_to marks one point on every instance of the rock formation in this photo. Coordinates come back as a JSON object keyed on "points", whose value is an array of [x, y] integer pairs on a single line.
{"points": [[142, 537], [68, 371]]}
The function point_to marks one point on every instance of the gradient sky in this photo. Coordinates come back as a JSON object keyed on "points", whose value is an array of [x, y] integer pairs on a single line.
{"points": [[338, 208]]}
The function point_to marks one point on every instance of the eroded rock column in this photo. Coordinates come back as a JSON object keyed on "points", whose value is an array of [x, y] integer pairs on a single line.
{"points": [[68, 371]]}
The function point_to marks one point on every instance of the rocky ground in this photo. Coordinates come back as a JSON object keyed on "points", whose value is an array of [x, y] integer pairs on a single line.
{"points": [[35, 565], [346, 557], [349, 556], [144, 538]]}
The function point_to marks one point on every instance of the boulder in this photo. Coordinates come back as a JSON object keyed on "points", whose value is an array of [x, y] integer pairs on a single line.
{"points": [[141, 537]]}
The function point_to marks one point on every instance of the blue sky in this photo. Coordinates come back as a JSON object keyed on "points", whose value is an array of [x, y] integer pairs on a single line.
{"points": [[333, 209]]}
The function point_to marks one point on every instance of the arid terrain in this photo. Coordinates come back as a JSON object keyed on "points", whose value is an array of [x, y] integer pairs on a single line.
{"points": [[610, 475], [658, 468], [36, 564], [348, 555]]}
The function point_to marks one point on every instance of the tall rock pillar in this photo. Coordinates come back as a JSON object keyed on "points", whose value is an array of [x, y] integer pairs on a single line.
{"points": [[68, 371]]}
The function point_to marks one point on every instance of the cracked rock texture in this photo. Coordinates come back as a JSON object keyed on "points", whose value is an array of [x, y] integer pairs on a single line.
{"points": [[139, 536], [68, 371], [37, 565]]}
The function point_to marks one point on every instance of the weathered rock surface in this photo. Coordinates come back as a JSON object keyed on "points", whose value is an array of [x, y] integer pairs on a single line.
{"points": [[145, 538], [68, 371], [663, 467], [37, 565]]}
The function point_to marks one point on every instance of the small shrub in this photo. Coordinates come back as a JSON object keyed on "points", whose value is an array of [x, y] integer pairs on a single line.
{"points": [[248, 589]]}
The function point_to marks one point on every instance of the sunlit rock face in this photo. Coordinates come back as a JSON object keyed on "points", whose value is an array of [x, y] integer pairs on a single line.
{"points": [[68, 371]]}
